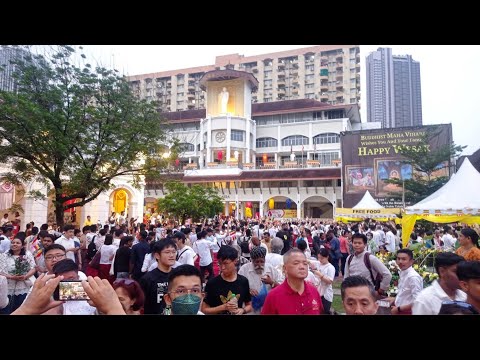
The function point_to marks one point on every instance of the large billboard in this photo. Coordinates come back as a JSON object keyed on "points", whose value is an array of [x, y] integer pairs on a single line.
{"points": [[369, 157]]}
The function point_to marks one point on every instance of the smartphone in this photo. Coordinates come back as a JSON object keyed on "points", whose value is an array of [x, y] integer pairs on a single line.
{"points": [[70, 290]]}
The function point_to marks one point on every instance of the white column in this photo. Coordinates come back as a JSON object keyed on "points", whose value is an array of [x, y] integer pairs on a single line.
{"points": [[310, 137], [279, 140], [35, 210], [276, 160], [246, 159], [209, 140], [200, 160], [229, 136], [226, 208], [299, 210], [261, 203], [236, 206]]}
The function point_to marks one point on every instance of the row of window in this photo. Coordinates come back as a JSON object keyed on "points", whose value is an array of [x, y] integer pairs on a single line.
{"points": [[326, 138]]}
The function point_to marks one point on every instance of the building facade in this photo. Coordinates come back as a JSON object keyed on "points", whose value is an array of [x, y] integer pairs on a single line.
{"points": [[393, 89], [327, 73], [278, 158], [7, 55]]}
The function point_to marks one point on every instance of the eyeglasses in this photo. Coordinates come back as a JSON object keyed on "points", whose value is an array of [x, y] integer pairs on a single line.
{"points": [[56, 257], [462, 304], [183, 291]]}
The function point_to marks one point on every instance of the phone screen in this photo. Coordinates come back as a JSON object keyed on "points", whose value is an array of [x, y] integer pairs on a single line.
{"points": [[70, 290]]}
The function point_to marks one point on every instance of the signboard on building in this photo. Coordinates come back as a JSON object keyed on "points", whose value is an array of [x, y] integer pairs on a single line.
{"points": [[278, 213], [371, 157]]}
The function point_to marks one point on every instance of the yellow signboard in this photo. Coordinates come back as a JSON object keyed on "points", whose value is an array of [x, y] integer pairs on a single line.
{"points": [[349, 211]]}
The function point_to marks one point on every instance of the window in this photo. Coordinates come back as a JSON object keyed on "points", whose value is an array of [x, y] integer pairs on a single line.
{"points": [[186, 147], [327, 138], [266, 142], [295, 140], [237, 135], [326, 158], [268, 74], [267, 83]]}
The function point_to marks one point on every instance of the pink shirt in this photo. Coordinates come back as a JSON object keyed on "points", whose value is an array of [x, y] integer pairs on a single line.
{"points": [[343, 245], [283, 300]]}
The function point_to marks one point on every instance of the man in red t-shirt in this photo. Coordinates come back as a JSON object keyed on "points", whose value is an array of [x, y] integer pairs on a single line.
{"points": [[294, 296]]}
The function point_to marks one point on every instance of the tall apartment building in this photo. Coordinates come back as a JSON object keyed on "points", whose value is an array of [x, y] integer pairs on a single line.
{"points": [[8, 54], [393, 89], [326, 73]]}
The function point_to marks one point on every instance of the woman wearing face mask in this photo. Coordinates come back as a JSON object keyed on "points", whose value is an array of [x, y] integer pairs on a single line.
{"points": [[185, 294], [130, 294]]}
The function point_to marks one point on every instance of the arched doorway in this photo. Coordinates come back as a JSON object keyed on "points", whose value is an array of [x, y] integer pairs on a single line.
{"points": [[317, 207], [12, 200], [283, 207], [120, 202]]}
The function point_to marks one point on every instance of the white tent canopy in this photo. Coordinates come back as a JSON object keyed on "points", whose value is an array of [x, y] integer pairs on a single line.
{"points": [[367, 207], [460, 195], [368, 202]]}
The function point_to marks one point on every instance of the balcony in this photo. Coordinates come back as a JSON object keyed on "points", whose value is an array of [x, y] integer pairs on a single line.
{"points": [[281, 82], [313, 163], [324, 86], [339, 57]]}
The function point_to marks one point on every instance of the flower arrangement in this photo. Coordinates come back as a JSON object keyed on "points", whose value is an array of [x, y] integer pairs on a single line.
{"points": [[21, 266]]}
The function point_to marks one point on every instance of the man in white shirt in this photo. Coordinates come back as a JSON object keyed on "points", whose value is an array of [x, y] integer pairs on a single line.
{"points": [[203, 248], [185, 254], [259, 273], [67, 241], [448, 240], [274, 257], [5, 238], [389, 239], [410, 284], [446, 288]]}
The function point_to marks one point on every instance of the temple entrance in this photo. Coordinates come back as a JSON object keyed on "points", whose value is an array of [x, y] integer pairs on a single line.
{"points": [[120, 200]]}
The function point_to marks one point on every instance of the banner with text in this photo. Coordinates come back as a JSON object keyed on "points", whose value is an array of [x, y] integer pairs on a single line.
{"points": [[369, 157]]}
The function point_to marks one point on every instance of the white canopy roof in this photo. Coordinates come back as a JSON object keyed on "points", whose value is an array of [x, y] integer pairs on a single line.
{"points": [[368, 202], [460, 195]]}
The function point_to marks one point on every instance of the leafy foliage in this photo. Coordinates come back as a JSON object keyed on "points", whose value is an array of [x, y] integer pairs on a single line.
{"points": [[75, 128], [424, 163], [194, 202]]}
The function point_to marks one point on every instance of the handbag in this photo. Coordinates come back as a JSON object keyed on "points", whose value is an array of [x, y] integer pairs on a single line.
{"points": [[95, 262]]}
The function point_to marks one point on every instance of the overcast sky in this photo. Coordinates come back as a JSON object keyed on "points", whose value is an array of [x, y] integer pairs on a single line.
{"points": [[448, 73]]}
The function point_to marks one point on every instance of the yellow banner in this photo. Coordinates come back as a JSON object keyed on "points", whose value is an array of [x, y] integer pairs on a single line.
{"points": [[349, 211]]}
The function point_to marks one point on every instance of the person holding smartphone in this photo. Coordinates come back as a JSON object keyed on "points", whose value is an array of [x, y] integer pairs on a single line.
{"points": [[68, 269]]}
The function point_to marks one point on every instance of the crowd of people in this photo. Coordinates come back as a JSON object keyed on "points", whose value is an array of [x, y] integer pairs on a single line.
{"points": [[237, 267]]}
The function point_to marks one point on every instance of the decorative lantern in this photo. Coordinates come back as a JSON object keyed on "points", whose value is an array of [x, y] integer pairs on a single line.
{"points": [[265, 158], [288, 203], [248, 204], [220, 155], [248, 212], [177, 162], [271, 204]]}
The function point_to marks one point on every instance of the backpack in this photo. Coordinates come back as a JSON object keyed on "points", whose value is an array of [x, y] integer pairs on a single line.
{"points": [[366, 259], [92, 249], [243, 242]]}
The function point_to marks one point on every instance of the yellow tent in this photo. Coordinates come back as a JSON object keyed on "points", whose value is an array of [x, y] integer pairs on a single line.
{"points": [[457, 201]]}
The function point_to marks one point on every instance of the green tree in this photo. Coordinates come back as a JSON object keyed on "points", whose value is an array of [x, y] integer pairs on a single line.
{"points": [[196, 202], [424, 163], [75, 128]]}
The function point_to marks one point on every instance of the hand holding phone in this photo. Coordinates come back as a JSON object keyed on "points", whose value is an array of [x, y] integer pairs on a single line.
{"points": [[68, 290]]}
